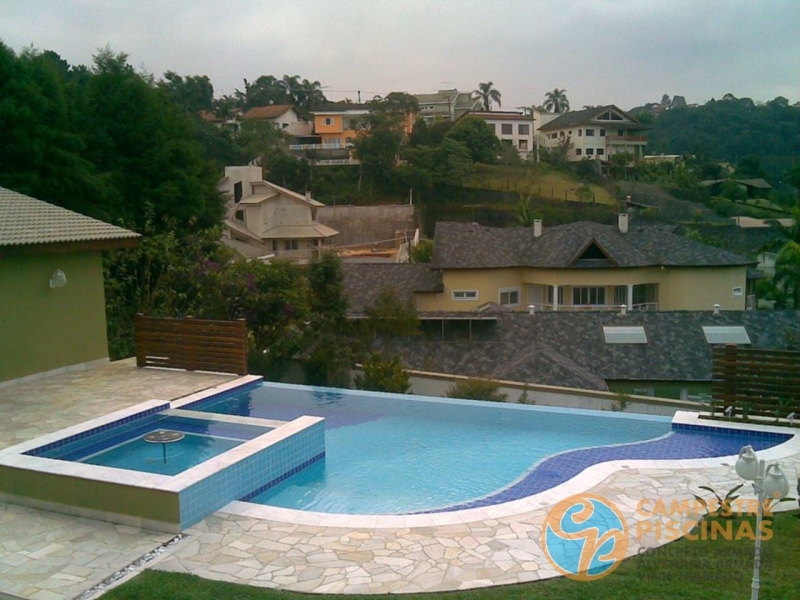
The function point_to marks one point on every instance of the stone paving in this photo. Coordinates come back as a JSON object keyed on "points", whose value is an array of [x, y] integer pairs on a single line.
{"points": [[46, 556]]}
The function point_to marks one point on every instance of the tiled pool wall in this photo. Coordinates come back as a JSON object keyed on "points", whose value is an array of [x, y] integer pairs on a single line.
{"points": [[291, 448], [153, 501]]}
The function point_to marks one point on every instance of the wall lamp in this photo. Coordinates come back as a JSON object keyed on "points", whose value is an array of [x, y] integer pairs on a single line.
{"points": [[58, 280]]}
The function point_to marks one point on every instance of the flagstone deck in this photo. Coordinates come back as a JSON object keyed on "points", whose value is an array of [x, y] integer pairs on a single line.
{"points": [[48, 556]]}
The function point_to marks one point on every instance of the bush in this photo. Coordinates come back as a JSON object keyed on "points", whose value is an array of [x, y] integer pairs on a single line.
{"points": [[422, 252], [383, 375], [477, 389]]}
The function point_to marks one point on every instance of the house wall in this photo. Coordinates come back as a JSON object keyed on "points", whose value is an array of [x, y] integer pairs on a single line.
{"points": [[685, 288], [51, 328], [700, 288], [284, 211]]}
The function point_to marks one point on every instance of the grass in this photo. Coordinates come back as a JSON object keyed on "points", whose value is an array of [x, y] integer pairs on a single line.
{"points": [[682, 570], [533, 180]]}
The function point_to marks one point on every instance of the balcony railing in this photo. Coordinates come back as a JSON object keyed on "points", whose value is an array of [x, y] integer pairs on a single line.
{"points": [[645, 306], [330, 146], [626, 139], [336, 161]]}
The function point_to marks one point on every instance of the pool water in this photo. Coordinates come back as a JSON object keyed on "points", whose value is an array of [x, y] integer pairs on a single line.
{"points": [[390, 454], [124, 446]]}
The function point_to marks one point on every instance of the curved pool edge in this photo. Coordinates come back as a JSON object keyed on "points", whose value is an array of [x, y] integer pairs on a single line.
{"points": [[584, 481]]}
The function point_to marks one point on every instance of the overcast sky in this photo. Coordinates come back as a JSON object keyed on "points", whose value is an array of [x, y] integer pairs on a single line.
{"points": [[624, 52]]}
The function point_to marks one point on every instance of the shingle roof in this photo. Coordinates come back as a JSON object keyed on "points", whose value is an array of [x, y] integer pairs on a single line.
{"points": [[267, 112], [247, 250], [473, 246], [364, 282], [580, 117], [333, 108], [569, 349], [26, 221]]}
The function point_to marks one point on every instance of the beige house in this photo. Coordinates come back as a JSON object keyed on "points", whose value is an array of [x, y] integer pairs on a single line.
{"points": [[266, 220], [594, 133], [445, 105], [581, 266], [282, 116], [512, 128]]}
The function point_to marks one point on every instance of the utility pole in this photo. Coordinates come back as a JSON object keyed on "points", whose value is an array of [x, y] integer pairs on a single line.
{"points": [[359, 96]]}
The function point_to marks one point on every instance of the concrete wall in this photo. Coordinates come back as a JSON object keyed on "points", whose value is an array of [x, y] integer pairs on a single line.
{"points": [[42, 329], [366, 224], [437, 384]]}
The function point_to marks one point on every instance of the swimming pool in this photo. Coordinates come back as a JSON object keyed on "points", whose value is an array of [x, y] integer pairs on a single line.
{"points": [[394, 454], [125, 446]]}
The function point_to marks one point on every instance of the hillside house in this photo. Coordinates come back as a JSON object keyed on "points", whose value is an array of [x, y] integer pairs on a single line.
{"points": [[266, 220]]}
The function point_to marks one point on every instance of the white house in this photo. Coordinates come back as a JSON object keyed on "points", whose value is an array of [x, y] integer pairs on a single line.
{"points": [[512, 128], [282, 116], [445, 105], [594, 133], [266, 220]]}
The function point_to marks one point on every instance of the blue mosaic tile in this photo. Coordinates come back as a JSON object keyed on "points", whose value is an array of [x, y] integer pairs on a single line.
{"points": [[685, 442]]}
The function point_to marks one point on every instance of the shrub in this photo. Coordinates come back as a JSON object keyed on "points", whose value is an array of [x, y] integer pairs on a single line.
{"points": [[383, 375], [477, 389]]}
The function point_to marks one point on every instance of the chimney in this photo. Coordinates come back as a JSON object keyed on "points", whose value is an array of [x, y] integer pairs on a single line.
{"points": [[531, 309], [623, 222], [537, 228], [716, 310], [623, 309], [308, 196]]}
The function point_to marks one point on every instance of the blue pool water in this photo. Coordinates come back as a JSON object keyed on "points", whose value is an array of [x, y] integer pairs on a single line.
{"points": [[124, 446]]}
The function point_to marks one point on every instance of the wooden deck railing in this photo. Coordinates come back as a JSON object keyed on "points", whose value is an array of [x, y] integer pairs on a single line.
{"points": [[191, 344], [758, 382]]}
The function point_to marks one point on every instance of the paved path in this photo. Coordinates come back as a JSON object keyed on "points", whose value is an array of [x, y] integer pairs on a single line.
{"points": [[47, 556]]}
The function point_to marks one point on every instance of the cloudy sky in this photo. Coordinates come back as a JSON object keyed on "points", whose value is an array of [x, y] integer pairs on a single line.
{"points": [[625, 52]]}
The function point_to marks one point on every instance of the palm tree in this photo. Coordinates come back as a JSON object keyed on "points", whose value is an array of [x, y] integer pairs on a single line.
{"points": [[487, 95], [556, 101], [291, 85]]}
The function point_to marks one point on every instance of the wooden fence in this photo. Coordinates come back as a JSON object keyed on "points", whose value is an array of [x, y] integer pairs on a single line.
{"points": [[757, 382], [191, 344]]}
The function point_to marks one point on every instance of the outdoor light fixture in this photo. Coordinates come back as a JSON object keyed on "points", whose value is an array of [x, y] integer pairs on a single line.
{"points": [[768, 482], [58, 280]]}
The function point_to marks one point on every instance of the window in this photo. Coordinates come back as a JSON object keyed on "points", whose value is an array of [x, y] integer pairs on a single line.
{"points": [[589, 132], [577, 151], [625, 335], [328, 121], [494, 127], [507, 129], [580, 132], [620, 294], [465, 294], [509, 296], [550, 295], [239, 216], [738, 292], [290, 245], [524, 129], [602, 133], [620, 133], [589, 151], [237, 191], [284, 126], [726, 335], [274, 245], [645, 294], [523, 144], [589, 296], [601, 151]]}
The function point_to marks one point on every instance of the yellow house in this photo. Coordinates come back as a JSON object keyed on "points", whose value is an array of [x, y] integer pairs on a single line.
{"points": [[581, 266], [337, 125]]}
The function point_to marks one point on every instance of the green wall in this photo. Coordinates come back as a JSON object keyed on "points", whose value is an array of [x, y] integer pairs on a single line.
{"points": [[42, 328]]}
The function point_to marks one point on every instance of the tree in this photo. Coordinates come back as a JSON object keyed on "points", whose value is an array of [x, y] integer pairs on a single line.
{"points": [[478, 137], [787, 262], [749, 168], [477, 389], [383, 375], [556, 101], [422, 252], [194, 93], [389, 316], [487, 94], [328, 345]]}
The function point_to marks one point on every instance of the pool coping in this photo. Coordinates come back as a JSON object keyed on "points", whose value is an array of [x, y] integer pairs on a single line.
{"points": [[584, 481]]}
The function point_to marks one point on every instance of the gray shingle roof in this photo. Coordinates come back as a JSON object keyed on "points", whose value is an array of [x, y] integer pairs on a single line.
{"points": [[587, 116], [473, 246], [364, 282], [25, 221], [569, 349]]}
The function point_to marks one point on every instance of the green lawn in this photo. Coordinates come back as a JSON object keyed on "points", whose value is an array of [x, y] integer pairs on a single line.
{"points": [[709, 570], [533, 180]]}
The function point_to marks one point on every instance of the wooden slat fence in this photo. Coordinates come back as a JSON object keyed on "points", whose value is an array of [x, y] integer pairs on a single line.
{"points": [[758, 382], [191, 344]]}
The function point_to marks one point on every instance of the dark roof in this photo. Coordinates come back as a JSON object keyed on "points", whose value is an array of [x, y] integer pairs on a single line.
{"points": [[587, 116], [473, 246], [328, 108], [757, 183], [364, 282], [569, 349], [272, 111]]}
